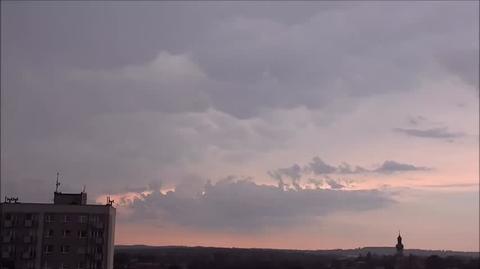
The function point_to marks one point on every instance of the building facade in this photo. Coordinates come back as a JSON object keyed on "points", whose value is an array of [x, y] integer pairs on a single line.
{"points": [[68, 234]]}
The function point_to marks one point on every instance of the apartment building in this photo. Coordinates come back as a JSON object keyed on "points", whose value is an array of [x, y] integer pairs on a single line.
{"points": [[68, 234]]}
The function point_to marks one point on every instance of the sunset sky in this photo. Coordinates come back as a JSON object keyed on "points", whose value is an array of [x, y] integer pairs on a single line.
{"points": [[311, 125]]}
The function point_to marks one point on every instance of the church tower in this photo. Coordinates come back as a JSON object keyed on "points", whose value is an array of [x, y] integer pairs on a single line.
{"points": [[399, 245]]}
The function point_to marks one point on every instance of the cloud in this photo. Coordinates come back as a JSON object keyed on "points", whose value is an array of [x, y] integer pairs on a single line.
{"points": [[115, 100], [164, 68], [294, 173], [345, 168], [416, 120], [334, 184], [320, 168], [246, 207], [392, 167], [436, 133]]}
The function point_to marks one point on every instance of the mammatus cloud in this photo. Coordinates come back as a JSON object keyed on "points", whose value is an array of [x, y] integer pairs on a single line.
{"points": [[436, 133], [246, 207]]}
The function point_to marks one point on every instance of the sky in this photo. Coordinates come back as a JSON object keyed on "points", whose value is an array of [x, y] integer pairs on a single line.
{"points": [[309, 125]]}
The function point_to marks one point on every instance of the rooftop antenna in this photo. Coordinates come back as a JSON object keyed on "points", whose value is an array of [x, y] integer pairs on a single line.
{"points": [[84, 187], [57, 183], [110, 201]]}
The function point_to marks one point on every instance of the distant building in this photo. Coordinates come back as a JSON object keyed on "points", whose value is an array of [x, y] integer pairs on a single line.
{"points": [[399, 245], [66, 234]]}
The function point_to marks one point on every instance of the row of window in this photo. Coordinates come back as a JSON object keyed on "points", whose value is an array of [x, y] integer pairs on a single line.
{"points": [[80, 234], [9, 235], [11, 220], [65, 249], [29, 253], [68, 218], [80, 265]]}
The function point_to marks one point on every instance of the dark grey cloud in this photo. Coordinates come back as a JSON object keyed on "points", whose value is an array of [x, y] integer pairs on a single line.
{"points": [[318, 167], [436, 133], [334, 184], [393, 166], [345, 168], [246, 207], [293, 173], [416, 120]]}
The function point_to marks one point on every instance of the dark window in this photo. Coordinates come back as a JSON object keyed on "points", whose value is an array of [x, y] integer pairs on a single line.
{"points": [[65, 248], [82, 234], [49, 218], [66, 233], [50, 233], [48, 248]]}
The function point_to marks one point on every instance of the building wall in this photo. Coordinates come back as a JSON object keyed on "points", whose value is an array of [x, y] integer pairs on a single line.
{"points": [[49, 236]]}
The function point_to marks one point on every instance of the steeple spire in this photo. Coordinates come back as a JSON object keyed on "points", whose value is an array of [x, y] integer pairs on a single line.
{"points": [[399, 245]]}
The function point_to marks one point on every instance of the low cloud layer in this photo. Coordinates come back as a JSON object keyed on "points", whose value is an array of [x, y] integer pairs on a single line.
{"points": [[318, 167], [436, 133], [246, 207], [393, 166]]}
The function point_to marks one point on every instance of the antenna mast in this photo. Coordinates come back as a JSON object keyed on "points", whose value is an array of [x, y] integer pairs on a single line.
{"points": [[57, 183]]}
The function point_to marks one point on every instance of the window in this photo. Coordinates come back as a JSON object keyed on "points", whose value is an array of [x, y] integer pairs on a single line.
{"points": [[66, 233], [49, 233], [66, 219], [81, 265], [48, 249], [82, 219], [65, 249], [94, 219], [28, 220], [63, 266], [9, 220], [49, 218], [82, 234], [46, 266], [81, 250]]}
